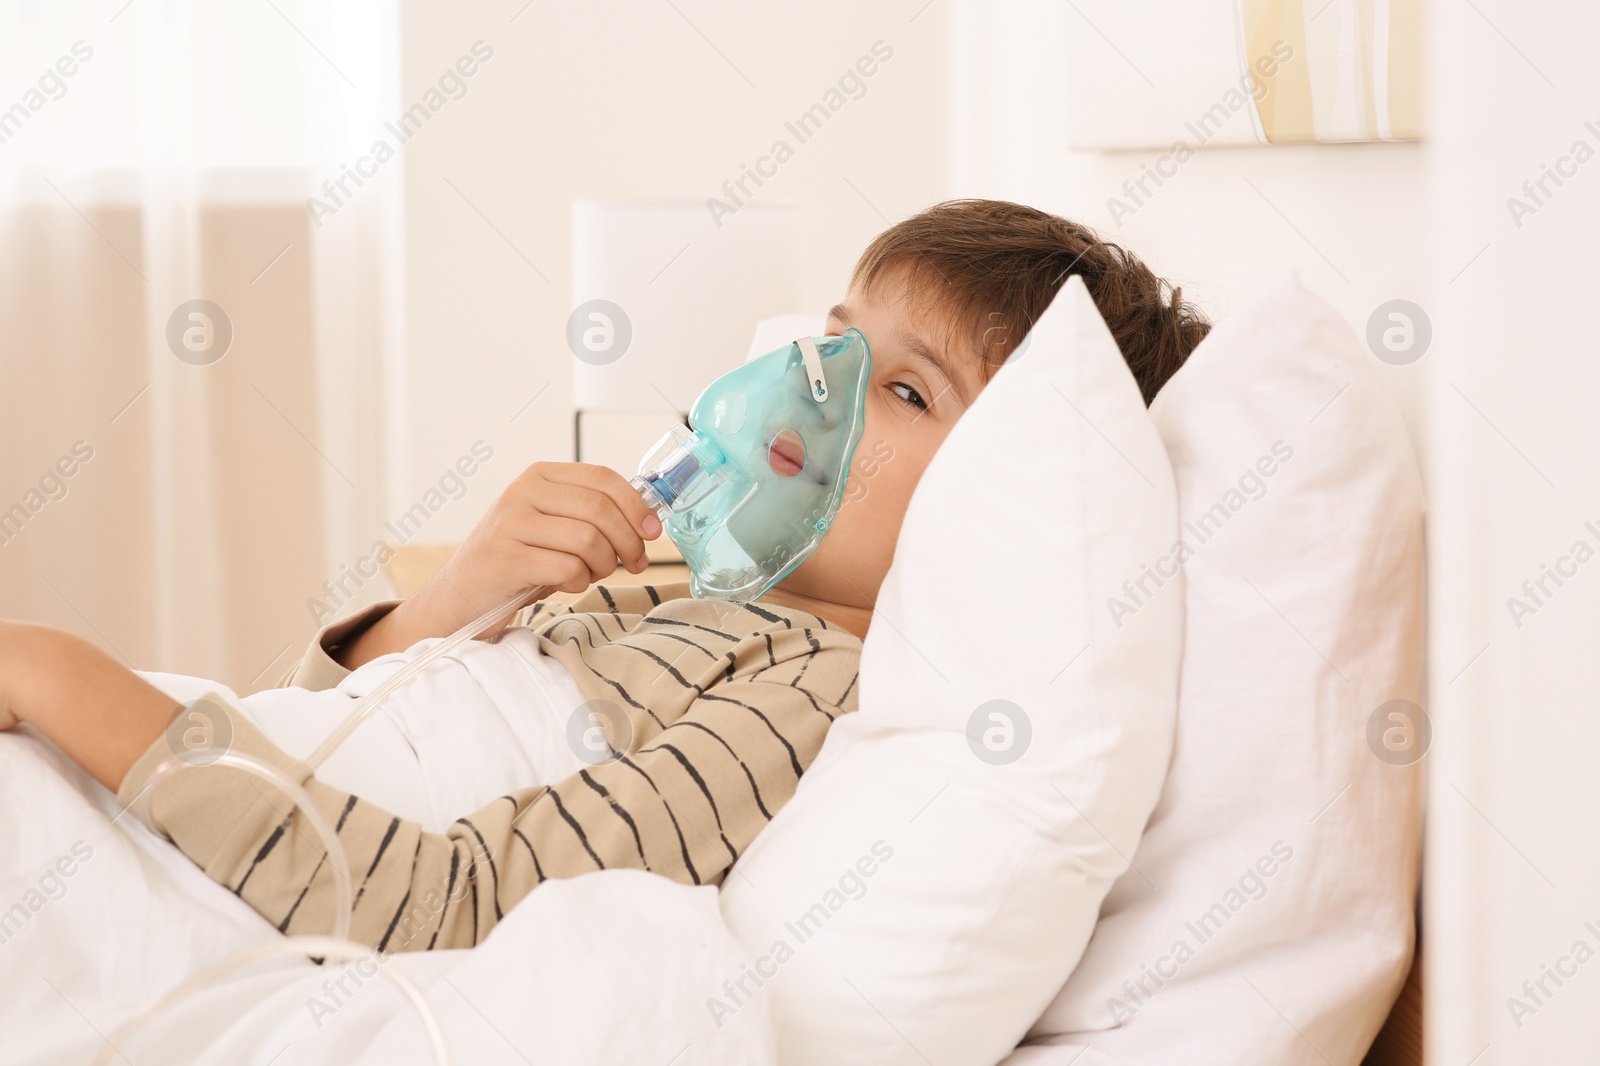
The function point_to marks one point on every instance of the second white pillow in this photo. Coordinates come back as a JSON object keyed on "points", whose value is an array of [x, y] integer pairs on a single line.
{"points": [[1269, 919]]}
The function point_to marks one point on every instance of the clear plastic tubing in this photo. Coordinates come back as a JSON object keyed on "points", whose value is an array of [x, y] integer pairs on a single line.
{"points": [[343, 896]]}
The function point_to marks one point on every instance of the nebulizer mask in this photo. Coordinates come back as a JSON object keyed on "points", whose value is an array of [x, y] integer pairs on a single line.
{"points": [[747, 492]]}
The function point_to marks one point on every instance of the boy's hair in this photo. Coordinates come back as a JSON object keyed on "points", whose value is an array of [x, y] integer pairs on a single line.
{"points": [[996, 266]]}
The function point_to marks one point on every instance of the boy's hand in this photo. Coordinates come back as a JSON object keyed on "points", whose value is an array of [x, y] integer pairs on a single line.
{"points": [[566, 525], [561, 524]]}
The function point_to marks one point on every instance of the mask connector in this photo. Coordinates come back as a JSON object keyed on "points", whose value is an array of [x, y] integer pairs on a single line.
{"points": [[676, 472]]}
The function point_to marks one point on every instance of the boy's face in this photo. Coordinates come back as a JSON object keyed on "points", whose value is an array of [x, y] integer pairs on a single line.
{"points": [[917, 392]]}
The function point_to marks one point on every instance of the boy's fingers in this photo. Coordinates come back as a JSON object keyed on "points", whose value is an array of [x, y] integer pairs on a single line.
{"points": [[604, 479], [573, 537], [573, 573], [586, 505]]}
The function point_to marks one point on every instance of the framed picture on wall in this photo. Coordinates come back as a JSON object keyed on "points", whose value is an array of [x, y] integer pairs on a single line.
{"points": [[1153, 73]]}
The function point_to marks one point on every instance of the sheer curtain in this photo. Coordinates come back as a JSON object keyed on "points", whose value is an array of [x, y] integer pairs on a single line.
{"points": [[199, 307]]}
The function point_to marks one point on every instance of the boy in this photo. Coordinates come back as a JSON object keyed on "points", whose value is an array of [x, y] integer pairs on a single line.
{"points": [[725, 704]]}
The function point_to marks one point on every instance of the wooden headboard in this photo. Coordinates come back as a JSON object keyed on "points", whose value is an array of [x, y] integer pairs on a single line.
{"points": [[1399, 1042]]}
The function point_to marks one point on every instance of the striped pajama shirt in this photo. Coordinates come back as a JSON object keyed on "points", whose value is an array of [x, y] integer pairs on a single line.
{"points": [[715, 709]]}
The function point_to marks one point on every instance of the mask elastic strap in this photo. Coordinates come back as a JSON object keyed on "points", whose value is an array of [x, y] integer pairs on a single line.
{"points": [[819, 382]]}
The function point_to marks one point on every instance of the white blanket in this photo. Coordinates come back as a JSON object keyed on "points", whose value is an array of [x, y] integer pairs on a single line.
{"points": [[99, 917]]}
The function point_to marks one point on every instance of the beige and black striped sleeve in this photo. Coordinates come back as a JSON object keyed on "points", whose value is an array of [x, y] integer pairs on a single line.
{"points": [[316, 669], [685, 804]]}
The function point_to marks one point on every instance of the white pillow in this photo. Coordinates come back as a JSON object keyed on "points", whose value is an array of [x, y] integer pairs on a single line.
{"points": [[1304, 618], [917, 902]]}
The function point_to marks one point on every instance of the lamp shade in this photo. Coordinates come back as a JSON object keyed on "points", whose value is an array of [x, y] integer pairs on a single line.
{"points": [[665, 298]]}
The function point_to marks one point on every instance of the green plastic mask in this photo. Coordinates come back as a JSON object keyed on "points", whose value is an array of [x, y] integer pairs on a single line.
{"points": [[751, 491]]}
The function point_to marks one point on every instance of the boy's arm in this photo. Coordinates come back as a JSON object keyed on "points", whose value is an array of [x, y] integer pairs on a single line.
{"points": [[99, 712], [686, 805]]}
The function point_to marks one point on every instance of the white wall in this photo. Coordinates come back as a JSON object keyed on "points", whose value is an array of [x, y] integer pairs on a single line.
{"points": [[1516, 796], [624, 100]]}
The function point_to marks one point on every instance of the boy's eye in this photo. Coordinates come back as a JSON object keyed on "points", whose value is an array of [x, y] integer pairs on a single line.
{"points": [[914, 400]]}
